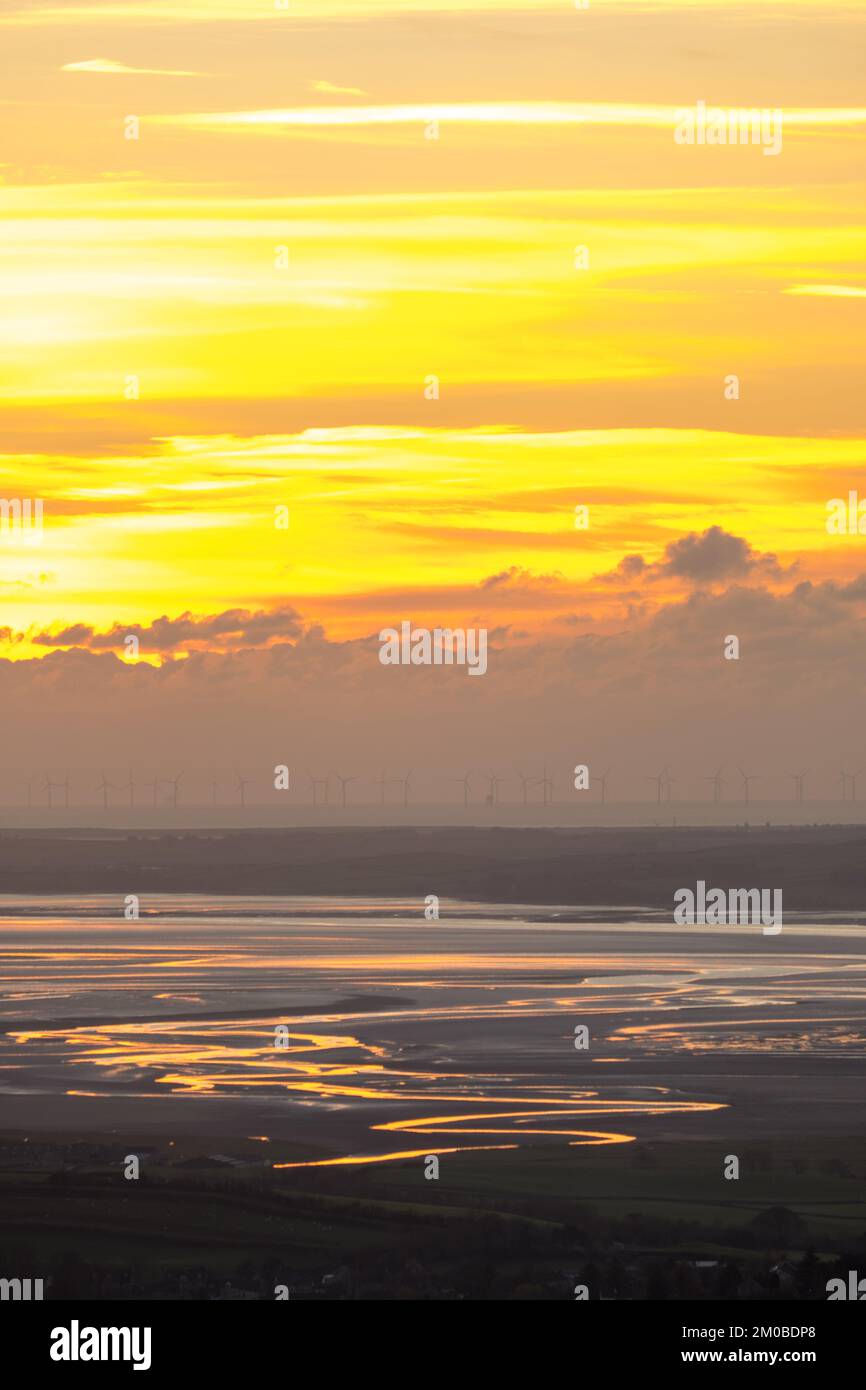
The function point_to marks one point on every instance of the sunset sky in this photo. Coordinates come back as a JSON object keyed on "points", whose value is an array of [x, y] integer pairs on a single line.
{"points": [[284, 257]]}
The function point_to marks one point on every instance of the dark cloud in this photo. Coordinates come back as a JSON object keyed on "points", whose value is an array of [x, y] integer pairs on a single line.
{"points": [[656, 690], [78, 635], [712, 557], [517, 578], [233, 629]]}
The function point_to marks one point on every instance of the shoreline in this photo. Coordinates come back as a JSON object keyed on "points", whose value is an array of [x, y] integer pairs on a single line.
{"points": [[818, 868]]}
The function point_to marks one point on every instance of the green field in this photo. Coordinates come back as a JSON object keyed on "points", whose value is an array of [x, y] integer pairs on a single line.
{"points": [[515, 1220]]}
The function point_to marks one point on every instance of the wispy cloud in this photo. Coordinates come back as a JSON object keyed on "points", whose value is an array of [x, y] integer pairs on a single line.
{"points": [[109, 67], [332, 89], [829, 291], [533, 113], [224, 11]]}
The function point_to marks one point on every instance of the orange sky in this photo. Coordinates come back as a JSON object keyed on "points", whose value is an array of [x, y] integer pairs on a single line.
{"points": [[244, 309]]}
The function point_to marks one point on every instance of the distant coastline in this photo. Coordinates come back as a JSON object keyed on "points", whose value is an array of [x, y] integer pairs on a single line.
{"points": [[819, 868]]}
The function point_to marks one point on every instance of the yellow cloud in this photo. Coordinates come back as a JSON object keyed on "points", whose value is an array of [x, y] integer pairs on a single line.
{"points": [[242, 315], [528, 113], [189, 292], [332, 89], [383, 510], [828, 291], [107, 65], [215, 11]]}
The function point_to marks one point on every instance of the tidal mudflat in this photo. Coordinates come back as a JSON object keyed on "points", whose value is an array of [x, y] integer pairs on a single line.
{"points": [[411, 1037]]}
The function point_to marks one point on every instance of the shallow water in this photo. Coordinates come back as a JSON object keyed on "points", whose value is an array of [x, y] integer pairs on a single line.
{"points": [[459, 1032]]}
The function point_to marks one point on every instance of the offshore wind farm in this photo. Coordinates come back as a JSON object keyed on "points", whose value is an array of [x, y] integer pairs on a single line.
{"points": [[555, 794]]}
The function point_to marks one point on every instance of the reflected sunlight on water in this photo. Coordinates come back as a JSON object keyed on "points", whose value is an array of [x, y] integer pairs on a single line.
{"points": [[462, 1027]]}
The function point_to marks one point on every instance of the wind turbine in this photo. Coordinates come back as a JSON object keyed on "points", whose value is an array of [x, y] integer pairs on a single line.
{"points": [[602, 781], [50, 787], [381, 783], [405, 784], [105, 788], [659, 781], [717, 781], [852, 778], [493, 781], [315, 783], [466, 784], [242, 783], [214, 787], [747, 778], [129, 787], [344, 782], [156, 783], [798, 783], [526, 783], [28, 783], [547, 784], [173, 782]]}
